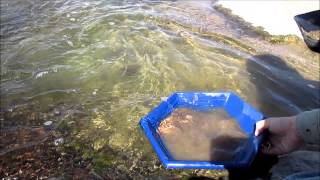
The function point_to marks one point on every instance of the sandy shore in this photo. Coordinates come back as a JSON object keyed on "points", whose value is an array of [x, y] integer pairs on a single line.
{"points": [[276, 17]]}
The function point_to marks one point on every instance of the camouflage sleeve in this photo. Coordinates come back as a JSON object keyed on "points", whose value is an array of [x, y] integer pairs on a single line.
{"points": [[308, 127]]}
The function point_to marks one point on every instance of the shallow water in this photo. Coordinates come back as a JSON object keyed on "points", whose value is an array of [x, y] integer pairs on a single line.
{"points": [[202, 136], [94, 68]]}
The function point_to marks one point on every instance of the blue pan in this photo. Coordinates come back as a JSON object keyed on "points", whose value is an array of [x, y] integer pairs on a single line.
{"points": [[237, 108]]}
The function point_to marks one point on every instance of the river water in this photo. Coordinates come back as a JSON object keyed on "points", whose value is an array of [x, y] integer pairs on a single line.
{"points": [[92, 69]]}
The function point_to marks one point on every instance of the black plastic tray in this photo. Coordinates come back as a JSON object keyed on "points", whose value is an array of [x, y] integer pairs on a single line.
{"points": [[307, 23]]}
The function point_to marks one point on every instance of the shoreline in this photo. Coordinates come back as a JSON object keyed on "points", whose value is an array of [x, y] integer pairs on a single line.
{"points": [[273, 17]]}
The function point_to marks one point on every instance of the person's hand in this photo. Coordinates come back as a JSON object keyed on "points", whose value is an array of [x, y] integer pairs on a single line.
{"points": [[282, 137]]}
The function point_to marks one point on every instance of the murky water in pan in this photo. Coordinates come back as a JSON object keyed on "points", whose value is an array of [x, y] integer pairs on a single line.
{"points": [[202, 136]]}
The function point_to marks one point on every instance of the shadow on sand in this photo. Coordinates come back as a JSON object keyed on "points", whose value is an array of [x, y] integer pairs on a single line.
{"points": [[281, 90]]}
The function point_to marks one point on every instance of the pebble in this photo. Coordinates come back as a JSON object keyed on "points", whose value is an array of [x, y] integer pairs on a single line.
{"points": [[95, 110], [111, 23], [70, 43], [72, 19], [47, 123], [58, 141], [40, 74], [164, 98], [311, 86], [56, 112], [94, 92]]}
